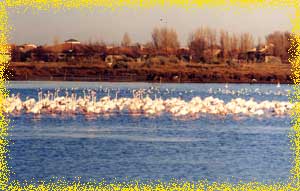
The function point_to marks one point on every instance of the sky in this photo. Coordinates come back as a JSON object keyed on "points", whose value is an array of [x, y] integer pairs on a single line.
{"points": [[110, 25]]}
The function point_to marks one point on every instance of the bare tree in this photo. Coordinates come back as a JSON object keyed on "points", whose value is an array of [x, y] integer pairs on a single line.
{"points": [[15, 53], [201, 40], [274, 39], [198, 43], [126, 40], [56, 40], [165, 38], [225, 43], [234, 46], [212, 37], [246, 42], [259, 42], [280, 42]]}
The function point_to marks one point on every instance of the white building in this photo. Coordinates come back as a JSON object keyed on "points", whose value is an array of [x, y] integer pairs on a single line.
{"points": [[72, 41]]}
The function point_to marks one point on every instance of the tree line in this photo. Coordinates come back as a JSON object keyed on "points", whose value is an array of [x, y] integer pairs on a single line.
{"points": [[205, 40], [204, 45]]}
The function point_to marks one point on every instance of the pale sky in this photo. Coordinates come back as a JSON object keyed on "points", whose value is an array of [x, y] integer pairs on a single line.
{"points": [[107, 25]]}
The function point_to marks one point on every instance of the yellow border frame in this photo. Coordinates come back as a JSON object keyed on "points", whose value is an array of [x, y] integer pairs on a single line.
{"points": [[294, 180]]}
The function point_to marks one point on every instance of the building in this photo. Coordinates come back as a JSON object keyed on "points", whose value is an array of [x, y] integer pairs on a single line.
{"points": [[72, 41], [27, 47], [259, 54]]}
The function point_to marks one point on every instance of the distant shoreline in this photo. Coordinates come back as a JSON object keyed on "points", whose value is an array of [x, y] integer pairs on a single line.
{"points": [[134, 72], [9, 80]]}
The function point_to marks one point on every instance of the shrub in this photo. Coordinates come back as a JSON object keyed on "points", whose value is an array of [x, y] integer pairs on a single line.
{"points": [[174, 59], [163, 60], [215, 61], [157, 60], [120, 64], [146, 64]]}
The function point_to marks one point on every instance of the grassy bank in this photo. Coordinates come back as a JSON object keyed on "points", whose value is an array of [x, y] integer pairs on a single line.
{"points": [[154, 72]]}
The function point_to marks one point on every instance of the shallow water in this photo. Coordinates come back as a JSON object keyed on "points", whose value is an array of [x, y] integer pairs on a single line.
{"points": [[129, 147]]}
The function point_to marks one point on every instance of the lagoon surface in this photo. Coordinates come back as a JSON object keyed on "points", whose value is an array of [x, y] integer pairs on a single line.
{"points": [[126, 147]]}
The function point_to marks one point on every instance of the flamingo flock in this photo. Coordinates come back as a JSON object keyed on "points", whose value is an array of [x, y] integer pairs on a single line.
{"points": [[140, 104], [247, 91]]}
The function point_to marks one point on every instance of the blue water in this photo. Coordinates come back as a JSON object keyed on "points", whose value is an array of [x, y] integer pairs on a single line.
{"points": [[126, 147]]}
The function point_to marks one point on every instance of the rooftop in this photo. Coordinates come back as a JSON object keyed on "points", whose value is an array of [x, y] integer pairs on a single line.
{"points": [[72, 40]]}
